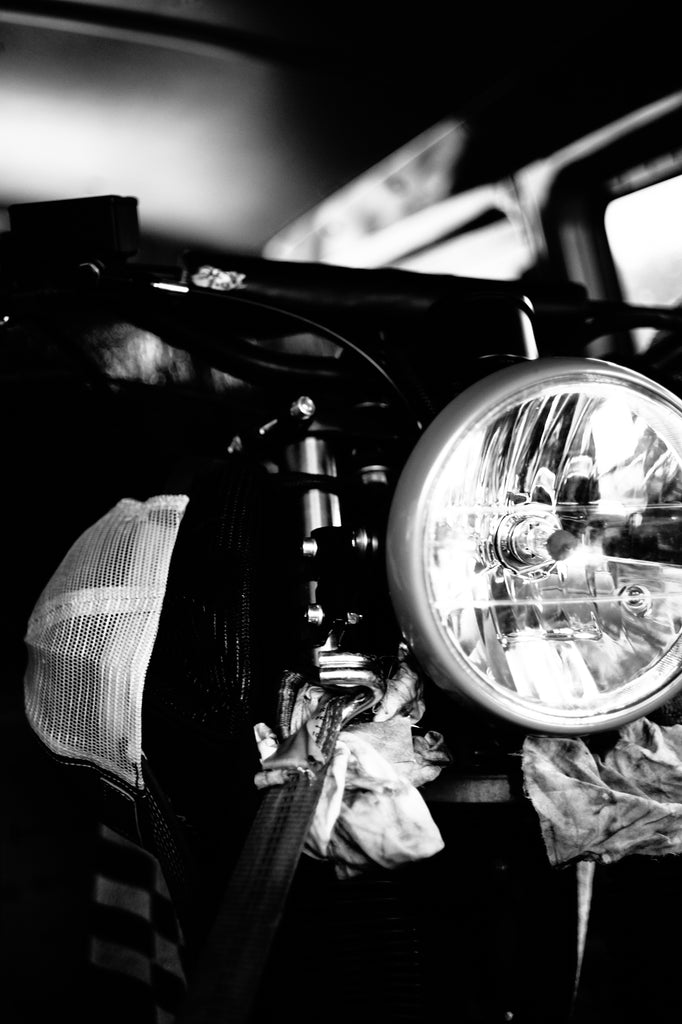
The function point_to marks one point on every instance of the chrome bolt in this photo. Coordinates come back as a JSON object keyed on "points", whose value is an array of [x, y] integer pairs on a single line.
{"points": [[303, 408], [314, 615], [363, 541]]}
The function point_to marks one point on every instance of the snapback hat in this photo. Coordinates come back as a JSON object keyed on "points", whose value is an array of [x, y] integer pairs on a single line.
{"points": [[91, 634]]}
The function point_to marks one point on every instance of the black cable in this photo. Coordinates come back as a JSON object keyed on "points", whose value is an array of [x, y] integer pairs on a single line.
{"points": [[330, 335], [168, 314]]}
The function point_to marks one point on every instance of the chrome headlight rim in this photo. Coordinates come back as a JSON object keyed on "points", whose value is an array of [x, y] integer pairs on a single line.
{"points": [[408, 577]]}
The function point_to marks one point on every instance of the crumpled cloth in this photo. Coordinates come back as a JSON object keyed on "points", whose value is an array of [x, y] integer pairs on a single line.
{"points": [[603, 807], [370, 813]]}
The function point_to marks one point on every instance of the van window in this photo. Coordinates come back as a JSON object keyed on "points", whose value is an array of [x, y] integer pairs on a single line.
{"points": [[644, 231]]}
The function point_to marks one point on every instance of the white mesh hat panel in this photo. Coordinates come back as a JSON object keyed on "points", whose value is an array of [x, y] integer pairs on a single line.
{"points": [[91, 634]]}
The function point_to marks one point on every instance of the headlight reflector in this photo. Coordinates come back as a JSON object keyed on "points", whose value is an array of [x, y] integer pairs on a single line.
{"points": [[534, 545]]}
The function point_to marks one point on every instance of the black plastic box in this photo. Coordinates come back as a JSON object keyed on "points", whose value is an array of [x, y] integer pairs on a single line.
{"points": [[96, 227]]}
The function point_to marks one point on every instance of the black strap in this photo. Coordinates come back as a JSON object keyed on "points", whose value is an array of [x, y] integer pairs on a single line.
{"points": [[225, 983]]}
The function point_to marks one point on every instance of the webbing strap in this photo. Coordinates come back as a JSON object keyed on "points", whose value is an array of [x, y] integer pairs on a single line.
{"points": [[225, 983]]}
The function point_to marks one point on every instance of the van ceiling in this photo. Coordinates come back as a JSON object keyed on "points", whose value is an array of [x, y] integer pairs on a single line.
{"points": [[229, 120]]}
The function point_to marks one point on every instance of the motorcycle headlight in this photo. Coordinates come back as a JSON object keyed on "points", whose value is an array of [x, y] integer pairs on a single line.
{"points": [[534, 545]]}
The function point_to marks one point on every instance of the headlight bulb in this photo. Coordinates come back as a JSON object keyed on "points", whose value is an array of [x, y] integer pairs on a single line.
{"points": [[534, 545]]}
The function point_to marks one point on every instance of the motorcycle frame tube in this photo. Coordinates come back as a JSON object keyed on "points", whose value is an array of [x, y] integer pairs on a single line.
{"points": [[407, 572]]}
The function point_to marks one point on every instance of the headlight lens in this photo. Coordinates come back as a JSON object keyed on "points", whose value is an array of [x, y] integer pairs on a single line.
{"points": [[534, 545]]}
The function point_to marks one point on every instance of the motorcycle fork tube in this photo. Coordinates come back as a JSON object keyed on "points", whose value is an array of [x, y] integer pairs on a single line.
{"points": [[319, 508]]}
